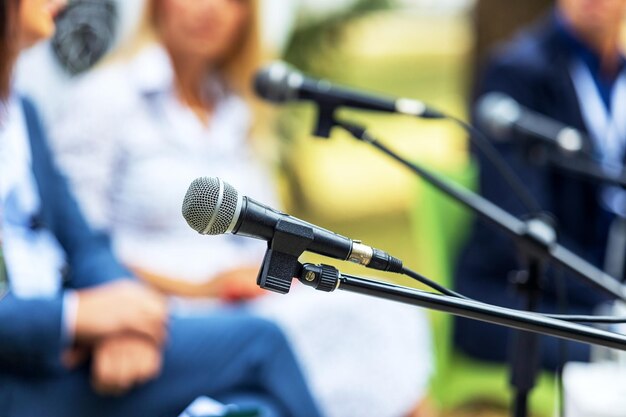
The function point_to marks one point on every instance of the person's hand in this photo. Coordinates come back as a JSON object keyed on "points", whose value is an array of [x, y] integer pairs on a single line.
{"points": [[122, 362], [238, 285], [233, 285], [120, 307]]}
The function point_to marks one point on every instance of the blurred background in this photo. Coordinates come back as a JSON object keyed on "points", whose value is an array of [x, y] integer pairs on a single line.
{"points": [[424, 49]]}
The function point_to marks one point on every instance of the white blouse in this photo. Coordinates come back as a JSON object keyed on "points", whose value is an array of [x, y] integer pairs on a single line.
{"points": [[131, 150]]}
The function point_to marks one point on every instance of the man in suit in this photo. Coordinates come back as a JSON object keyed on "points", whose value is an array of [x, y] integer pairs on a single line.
{"points": [[98, 343], [557, 67]]}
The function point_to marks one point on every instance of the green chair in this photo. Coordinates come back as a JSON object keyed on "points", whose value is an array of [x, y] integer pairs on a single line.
{"points": [[441, 226]]}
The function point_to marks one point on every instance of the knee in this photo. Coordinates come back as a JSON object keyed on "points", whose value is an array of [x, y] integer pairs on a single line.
{"points": [[266, 330], [264, 335]]}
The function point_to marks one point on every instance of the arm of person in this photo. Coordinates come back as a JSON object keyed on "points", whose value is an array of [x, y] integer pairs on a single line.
{"points": [[36, 335], [31, 334], [232, 285], [88, 253], [122, 306]]}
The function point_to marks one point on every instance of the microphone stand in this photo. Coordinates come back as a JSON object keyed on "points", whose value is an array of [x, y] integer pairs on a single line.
{"points": [[536, 240], [328, 279], [281, 263], [584, 168]]}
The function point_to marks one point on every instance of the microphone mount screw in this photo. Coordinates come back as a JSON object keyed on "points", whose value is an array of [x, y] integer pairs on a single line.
{"points": [[310, 276]]}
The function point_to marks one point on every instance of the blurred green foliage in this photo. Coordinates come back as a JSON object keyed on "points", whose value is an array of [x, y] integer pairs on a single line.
{"points": [[313, 44]]}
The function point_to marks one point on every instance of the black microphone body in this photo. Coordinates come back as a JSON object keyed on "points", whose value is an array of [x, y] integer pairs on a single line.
{"points": [[504, 118], [324, 92], [212, 206], [259, 221], [280, 83]]}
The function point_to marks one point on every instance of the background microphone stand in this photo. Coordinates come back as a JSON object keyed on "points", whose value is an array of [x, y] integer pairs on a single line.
{"points": [[537, 243], [585, 168], [525, 356]]}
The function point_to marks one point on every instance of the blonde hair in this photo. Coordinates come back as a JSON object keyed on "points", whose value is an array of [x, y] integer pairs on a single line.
{"points": [[237, 70]]}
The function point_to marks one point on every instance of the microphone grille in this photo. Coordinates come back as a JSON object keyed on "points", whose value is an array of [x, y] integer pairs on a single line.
{"points": [[210, 205], [272, 82], [497, 113]]}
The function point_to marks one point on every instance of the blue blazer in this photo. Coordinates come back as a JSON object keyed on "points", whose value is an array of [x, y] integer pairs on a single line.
{"points": [[30, 330], [534, 70]]}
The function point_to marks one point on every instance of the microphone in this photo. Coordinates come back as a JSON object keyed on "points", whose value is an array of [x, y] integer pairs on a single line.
{"points": [[213, 207], [501, 116], [278, 82]]}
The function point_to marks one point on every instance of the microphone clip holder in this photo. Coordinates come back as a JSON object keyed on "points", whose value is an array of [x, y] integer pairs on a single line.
{"points": [[325, 120], [280, 263]]}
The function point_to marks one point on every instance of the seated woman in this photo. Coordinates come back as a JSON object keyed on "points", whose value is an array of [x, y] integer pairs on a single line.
{"points": [[137, 132]]}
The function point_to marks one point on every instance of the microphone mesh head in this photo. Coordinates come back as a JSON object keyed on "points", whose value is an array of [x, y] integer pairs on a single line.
{"points": [[210, 205], [497, 113], [272, 82]]}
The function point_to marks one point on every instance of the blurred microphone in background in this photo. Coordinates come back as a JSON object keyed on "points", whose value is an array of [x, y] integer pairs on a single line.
{"points": [[85, 32], [278, 82], [505, 119]]}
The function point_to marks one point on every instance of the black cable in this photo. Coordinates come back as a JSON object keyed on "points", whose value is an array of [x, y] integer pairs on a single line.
{"points": [[496, 159], [589, 319], [432, 284], [565, 317]]}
